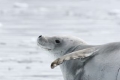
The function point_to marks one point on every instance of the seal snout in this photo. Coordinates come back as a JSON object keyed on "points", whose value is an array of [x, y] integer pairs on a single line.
{"points": [[42, 40], [40, 36], [39, 39]]}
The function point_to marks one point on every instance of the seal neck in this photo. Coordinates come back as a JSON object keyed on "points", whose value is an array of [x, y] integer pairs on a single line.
{"points": [[70, 68]]}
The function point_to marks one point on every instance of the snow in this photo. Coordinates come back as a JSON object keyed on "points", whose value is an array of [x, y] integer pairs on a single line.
{"points": [[22, 21]]}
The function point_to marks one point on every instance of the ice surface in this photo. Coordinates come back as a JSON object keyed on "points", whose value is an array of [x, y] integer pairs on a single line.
{"points": [[22, 21]]}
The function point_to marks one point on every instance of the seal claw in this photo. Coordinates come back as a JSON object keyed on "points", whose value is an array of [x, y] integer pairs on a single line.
{"points": [[55, 63]]}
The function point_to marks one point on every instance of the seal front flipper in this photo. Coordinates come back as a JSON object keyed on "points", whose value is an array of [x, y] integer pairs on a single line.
{"points": [[84, 53]]}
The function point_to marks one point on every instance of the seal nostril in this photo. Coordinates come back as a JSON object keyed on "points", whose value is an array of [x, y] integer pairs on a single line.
{"points": [[40, 36]]}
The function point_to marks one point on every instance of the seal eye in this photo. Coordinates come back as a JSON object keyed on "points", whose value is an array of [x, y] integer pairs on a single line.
{"points": [[57, 41]]}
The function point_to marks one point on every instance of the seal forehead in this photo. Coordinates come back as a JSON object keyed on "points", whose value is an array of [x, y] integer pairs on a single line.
{"points": [[72, 38]]}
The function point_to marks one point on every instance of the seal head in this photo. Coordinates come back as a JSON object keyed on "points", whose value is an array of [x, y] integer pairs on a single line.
{"points": [[59, 45]]}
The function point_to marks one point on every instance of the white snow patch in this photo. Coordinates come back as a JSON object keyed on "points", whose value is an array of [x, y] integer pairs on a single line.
{"points": [[20, 5], [1, 24]]}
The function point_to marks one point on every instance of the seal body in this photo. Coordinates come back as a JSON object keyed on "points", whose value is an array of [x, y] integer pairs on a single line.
{"points": [[103, 66]]}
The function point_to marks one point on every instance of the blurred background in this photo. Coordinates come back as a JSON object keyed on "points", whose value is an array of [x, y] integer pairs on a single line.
{"points": [[22, 21]]}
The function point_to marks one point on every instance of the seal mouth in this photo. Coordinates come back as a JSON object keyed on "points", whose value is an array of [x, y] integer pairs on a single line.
{"points": [[43, 46], [48, 49]]}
